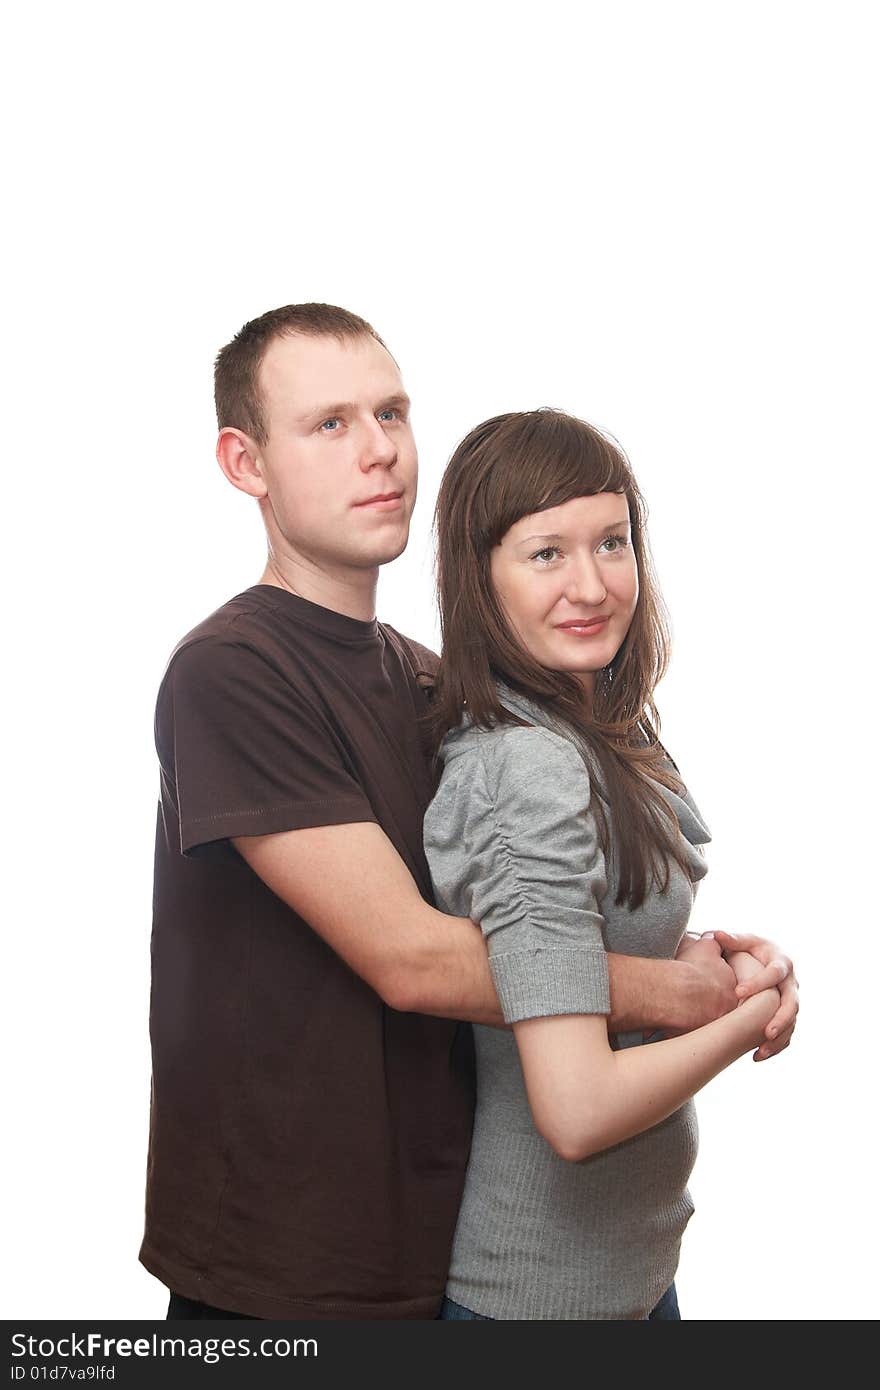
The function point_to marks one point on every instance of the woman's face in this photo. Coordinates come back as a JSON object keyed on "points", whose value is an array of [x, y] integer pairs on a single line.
{"points": [[568, 583]]}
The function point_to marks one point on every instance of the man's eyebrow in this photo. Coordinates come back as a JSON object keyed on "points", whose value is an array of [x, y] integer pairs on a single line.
{"points": [[326, 412], [329, 412], [557, 536]]}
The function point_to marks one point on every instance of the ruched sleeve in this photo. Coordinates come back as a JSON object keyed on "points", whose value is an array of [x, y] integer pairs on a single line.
{"points": [[512, 843]]}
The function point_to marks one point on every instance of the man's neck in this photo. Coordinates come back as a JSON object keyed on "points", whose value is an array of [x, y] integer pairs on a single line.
{"points": [[350, 592]]}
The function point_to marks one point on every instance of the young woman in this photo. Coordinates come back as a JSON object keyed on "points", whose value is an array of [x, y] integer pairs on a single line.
{"points": [[562, 827]]}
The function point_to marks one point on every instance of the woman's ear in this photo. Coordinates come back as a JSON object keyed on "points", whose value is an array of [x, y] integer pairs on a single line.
{"points": [[239, 457]]}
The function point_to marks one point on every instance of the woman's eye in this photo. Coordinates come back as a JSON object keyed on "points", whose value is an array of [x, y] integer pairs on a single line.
{"points": [[613, 544], [546, 555]]}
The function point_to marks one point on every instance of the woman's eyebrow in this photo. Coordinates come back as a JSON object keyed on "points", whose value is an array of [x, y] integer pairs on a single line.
{"points": [[558, 536], [550, 536]]}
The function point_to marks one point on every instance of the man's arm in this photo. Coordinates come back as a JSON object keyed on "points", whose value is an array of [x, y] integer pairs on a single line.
{"points": [[351, 886], [672, 996]]}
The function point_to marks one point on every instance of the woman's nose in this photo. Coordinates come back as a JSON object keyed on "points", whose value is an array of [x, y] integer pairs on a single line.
{"points": [[584, 582]]}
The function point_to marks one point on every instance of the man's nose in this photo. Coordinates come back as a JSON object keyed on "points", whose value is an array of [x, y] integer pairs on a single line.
{"points": [[584, 582], [377, 448]]}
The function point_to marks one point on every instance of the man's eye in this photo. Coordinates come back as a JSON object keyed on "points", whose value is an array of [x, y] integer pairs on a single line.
{"points": [[392, 413], [329, 425]]}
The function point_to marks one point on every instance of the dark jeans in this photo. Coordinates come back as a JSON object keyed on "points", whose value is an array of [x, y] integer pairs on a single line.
{"points": [[180, 1309], [666, 1310]]}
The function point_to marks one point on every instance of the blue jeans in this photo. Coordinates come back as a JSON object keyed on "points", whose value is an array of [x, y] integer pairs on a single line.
{"points": [[665, 1311]]}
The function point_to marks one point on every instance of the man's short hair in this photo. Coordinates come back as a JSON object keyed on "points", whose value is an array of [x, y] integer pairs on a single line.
{"points": [[237, 368]]}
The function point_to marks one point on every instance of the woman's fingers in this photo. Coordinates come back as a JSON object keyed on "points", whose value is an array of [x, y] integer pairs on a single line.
{"points": [[773, 975], [777, 970], [781, 1026], [777, 965], [779, 1044]]}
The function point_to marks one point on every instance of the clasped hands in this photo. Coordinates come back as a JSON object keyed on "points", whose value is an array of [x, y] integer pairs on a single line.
{"points": [[709, 953]]}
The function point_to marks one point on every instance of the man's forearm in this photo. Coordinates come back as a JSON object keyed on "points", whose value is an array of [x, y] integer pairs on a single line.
{"points": [[446, 973], [653, 994], [443, 970], [351, 886]]}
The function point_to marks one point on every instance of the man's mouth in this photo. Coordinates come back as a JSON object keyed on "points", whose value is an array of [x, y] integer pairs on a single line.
{"points": [[383, 501]]}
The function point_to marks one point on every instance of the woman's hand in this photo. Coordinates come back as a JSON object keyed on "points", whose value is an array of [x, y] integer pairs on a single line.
{"points": [[777, 970]]}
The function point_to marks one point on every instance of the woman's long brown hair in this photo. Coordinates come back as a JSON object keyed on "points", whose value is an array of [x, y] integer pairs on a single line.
{"points": [[513, 466]]}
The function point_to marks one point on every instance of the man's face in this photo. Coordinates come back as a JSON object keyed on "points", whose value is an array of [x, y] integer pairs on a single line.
{"points": [[340, 463]]}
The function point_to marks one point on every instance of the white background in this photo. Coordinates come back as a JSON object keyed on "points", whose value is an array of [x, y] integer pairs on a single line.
{"points": [[656, 216]]}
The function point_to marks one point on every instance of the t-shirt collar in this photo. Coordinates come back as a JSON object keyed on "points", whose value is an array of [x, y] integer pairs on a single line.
{"points": [[337, 626]]}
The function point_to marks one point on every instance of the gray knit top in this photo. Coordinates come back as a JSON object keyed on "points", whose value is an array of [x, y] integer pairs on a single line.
{"points": [[511, 842]]}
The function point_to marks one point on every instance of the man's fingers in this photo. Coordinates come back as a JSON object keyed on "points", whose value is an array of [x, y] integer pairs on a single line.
{"points": [[735, 941], [764, 951]]}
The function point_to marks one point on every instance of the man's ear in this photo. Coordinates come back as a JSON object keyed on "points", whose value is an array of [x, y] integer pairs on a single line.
{"points": [[239, 457]]}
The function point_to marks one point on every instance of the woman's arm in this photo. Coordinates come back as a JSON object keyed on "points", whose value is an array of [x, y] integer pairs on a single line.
{"points": [[584, 1097], [512, 840]]}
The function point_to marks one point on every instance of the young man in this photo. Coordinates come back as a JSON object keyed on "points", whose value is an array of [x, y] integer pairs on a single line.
{"points": [[311, 1100]]}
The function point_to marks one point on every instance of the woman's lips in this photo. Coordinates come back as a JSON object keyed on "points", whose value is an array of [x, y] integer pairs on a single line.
{"points": [[584, 629]]}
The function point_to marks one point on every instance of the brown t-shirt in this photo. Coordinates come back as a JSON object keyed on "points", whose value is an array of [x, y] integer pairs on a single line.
{"points": [[307, 1143]]}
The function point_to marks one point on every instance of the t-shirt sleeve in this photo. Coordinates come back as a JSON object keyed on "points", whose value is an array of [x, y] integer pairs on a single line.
{"points": [[536, 873], [248, 752]]}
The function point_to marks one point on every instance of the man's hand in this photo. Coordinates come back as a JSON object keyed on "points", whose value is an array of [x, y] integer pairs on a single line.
{"points": [[711, 982], [779, 971]]}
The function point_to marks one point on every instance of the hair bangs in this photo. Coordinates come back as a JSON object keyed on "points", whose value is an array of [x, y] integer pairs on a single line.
{"points": [[548, 458]]}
